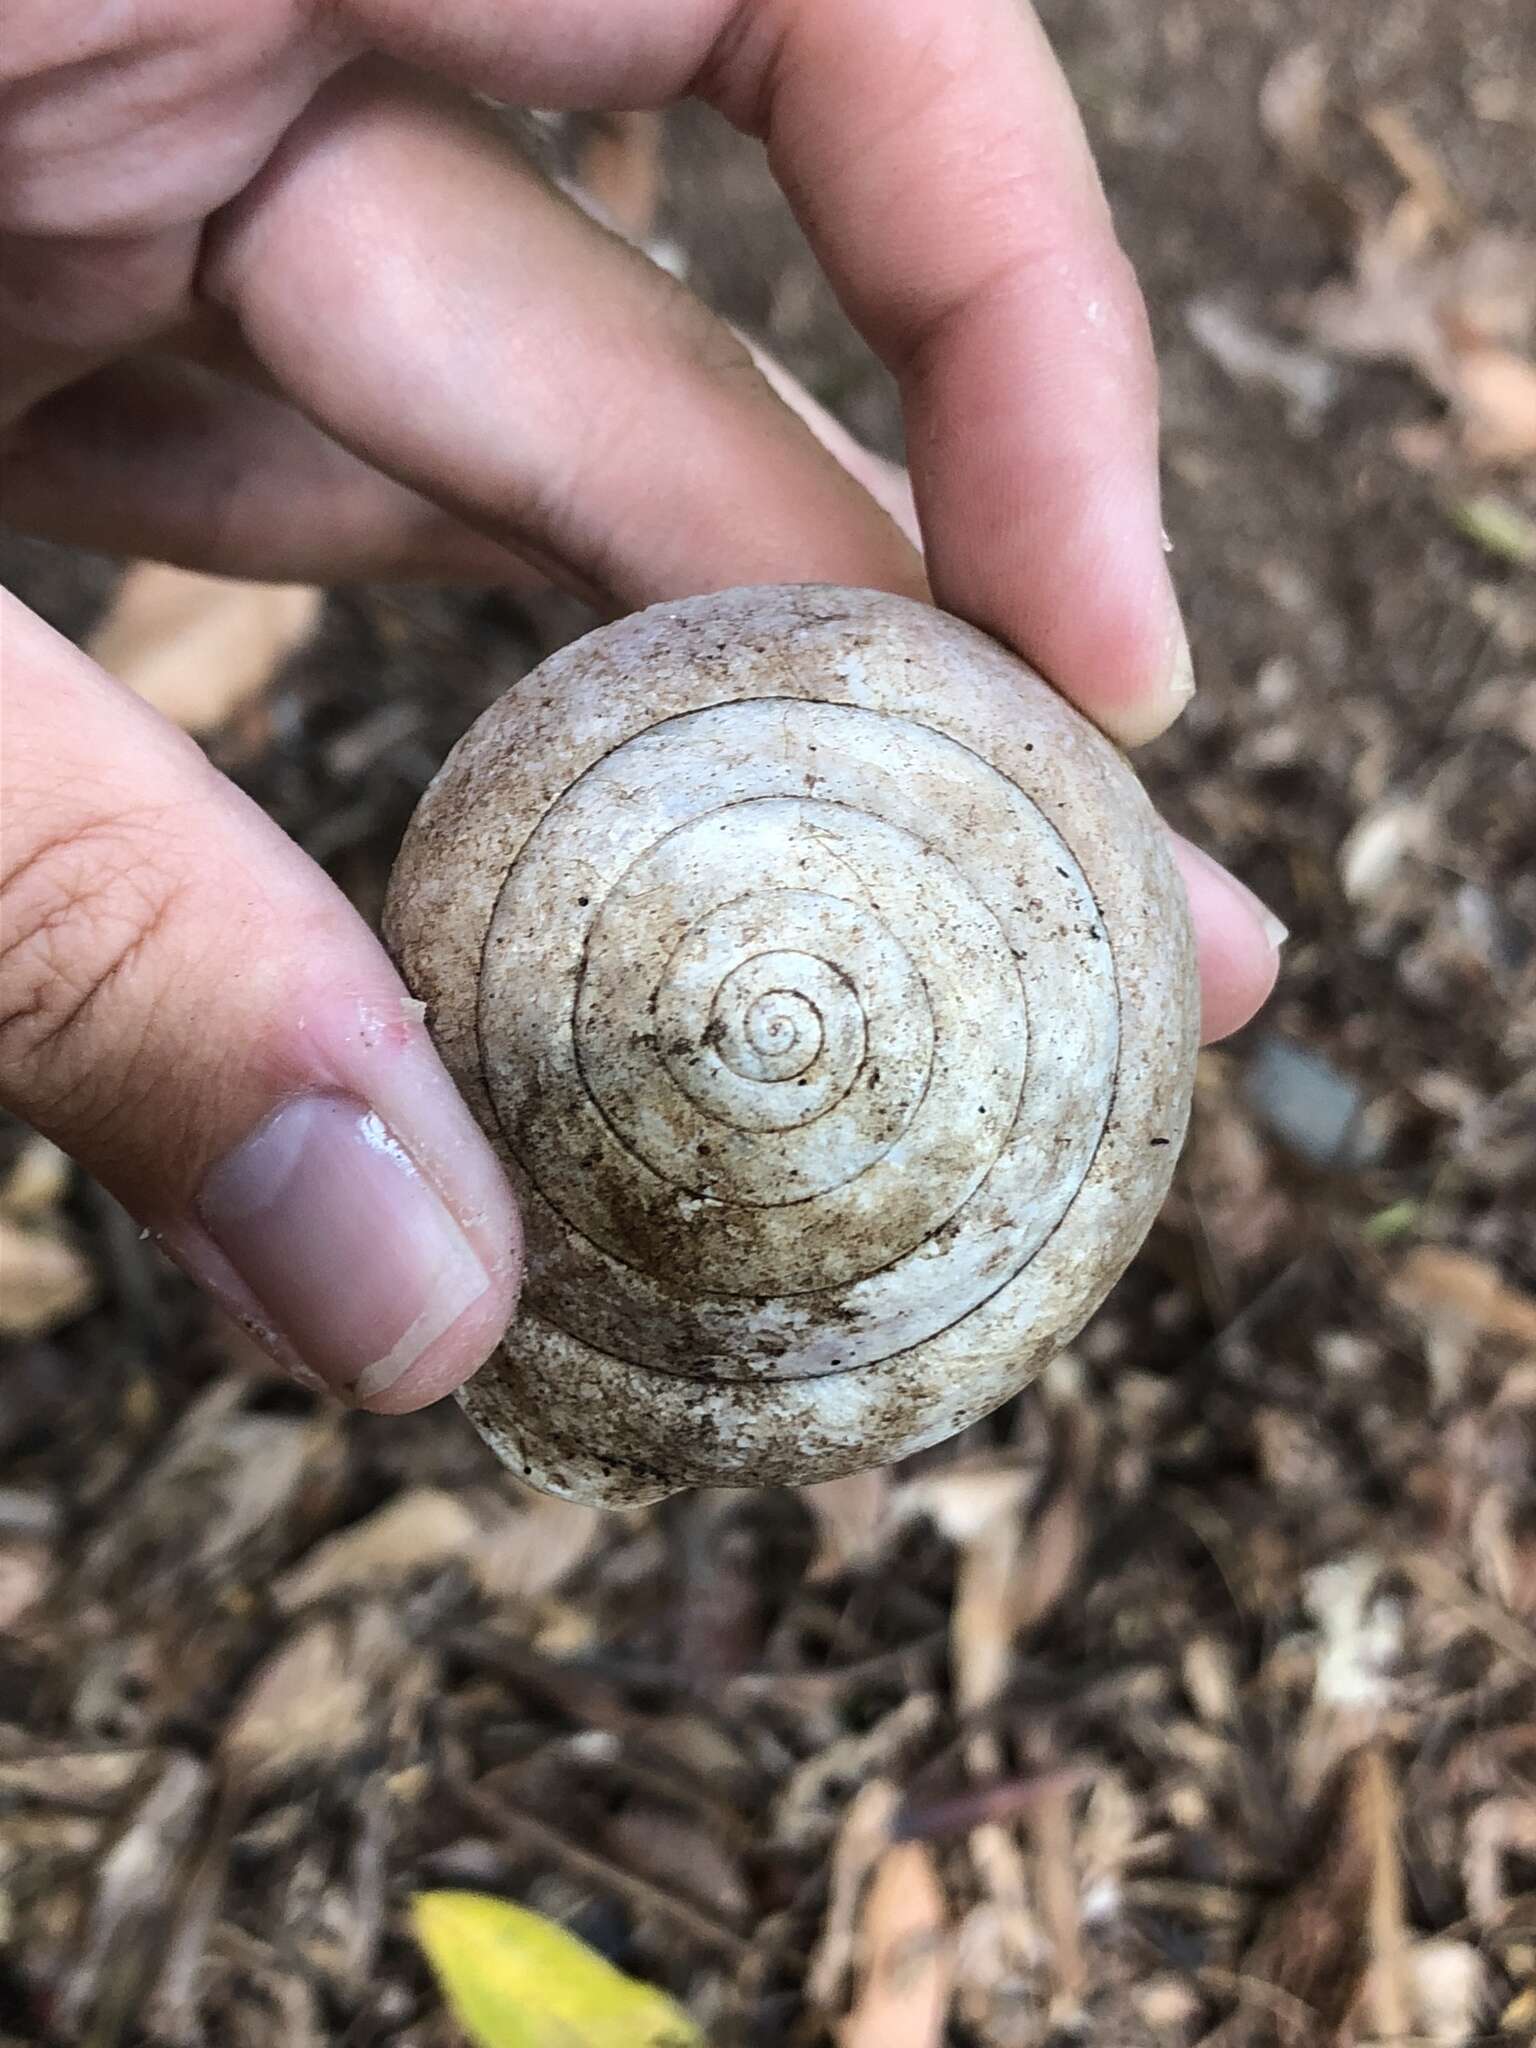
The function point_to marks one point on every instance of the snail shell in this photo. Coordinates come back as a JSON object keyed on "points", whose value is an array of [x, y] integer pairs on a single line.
{"points": [[826, 986]]}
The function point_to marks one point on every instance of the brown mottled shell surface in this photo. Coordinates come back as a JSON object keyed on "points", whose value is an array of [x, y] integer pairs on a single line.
{"points": [[826, 986]]}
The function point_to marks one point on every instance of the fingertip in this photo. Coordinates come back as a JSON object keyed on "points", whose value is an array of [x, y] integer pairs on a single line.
{"points": [[455, 1357], [1048, 533], [1147, 705], [1236, 982], [1237, 938]]}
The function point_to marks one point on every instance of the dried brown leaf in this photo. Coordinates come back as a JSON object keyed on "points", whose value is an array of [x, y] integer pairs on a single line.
{"points": [[1503, 1555], [420, 1530], [980, 1507], [1314, 1947], [904, 1956], [26, 1572], [198, 647], [312, 1701], [1439, 1583], [1388, 1988], [44, 1282], [806, 1810], [1240, 1210], [37, 1183], [849, 1514], [528, 1553], [225, 1480], [1053, 1552], [1415, 163], [681, 1855], [965, 1498], [93, 1780], [862, 1840], [1498, 1833], [1055, 1889], [1459, 315], [1209, 1679], [1388, 311], [1305, 379], [134, 1884], [1292, 102], [1436, 1284], [981, 1622]]}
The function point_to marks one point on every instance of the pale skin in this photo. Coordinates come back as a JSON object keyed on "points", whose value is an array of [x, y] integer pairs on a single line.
{"points": [[277, 300]]}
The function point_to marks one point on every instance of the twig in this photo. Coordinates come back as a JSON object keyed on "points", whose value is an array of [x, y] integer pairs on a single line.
{"points": [[1004, 1799], [1438, 1582], [1386, 1985], [1050, 1825], [585, 1694], [499, 1815], [1414, 162], [1293, 2014]]}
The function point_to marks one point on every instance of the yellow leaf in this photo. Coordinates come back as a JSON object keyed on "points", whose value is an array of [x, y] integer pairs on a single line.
{"points": [[513, 1979], [1499, 527]]}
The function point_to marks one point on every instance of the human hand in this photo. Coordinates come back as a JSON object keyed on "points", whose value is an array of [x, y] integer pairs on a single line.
{"points": [[277, 300]]}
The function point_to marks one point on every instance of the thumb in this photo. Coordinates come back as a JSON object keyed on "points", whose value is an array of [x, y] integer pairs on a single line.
{"points": [[197, 1014]]}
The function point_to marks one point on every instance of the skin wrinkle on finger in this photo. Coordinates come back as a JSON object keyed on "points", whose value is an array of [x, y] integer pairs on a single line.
{"points": [[574, 53], [119, 133], [164, 112], [93, 910]]}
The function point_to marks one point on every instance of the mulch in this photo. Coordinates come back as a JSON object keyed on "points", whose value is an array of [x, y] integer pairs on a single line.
{"points": [[1203, 1676]]}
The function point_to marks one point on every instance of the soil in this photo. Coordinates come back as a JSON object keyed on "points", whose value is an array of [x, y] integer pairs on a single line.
{"points": [[1203, 1676]]}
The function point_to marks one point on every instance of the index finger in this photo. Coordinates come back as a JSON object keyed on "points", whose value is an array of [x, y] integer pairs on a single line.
{"points": [[936, 160]]}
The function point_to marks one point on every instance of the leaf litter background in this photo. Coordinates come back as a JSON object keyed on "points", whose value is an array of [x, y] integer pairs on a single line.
{"points": [[1193, 1698]]}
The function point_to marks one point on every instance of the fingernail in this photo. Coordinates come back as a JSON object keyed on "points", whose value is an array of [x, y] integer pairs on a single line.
{"points": [[1271, 926], [1155, 708], [1181, 673], [1276, 932], [346, 1246]]}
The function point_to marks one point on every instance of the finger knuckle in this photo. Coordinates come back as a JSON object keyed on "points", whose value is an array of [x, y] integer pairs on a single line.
{"points": [[87, 917]]}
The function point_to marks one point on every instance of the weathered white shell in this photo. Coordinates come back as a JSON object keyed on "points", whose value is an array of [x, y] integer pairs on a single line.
{"points": [[826, 986]]}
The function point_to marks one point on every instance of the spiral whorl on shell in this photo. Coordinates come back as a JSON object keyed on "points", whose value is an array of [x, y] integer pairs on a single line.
{"points": [[826, 987]]}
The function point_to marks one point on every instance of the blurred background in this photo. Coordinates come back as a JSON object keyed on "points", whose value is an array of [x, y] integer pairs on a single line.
{"points": [[1190, 1699]]}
